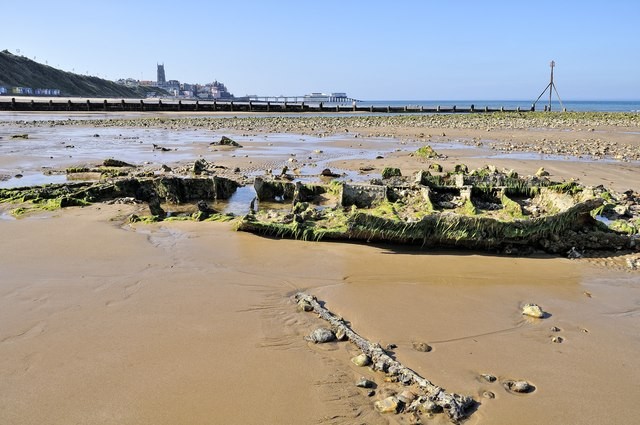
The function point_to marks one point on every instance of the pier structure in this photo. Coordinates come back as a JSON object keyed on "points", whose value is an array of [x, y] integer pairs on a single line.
{"points": [[288, 105], [307, 98]]}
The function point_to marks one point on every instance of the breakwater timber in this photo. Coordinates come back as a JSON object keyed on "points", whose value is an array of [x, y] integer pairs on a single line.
{"points": [[134, 105]]}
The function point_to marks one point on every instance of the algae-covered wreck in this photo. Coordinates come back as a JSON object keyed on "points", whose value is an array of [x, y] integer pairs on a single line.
{"points": [[125, 183], [484, 209]]}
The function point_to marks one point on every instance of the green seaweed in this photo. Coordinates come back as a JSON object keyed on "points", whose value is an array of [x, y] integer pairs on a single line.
{"points": [[427, 152], [511, 207], [389, 172]]}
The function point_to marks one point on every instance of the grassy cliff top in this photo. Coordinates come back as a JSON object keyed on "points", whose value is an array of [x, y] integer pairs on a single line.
{"points": [[19, 71]]}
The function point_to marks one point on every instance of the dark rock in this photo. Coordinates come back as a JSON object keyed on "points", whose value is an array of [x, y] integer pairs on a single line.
{"points": [[328, 173], [160, 148], [423, 347], [226, 141], [488, 377], [116, 163], [155, 208], [365, 383], [199, 166]]}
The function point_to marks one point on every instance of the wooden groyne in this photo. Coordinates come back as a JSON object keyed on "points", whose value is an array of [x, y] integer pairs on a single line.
{"points": [[154, 105]]}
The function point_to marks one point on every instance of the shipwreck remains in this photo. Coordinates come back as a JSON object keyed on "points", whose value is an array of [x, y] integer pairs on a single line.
{"points": [[152, 190], [484, 209], [430, 397]]}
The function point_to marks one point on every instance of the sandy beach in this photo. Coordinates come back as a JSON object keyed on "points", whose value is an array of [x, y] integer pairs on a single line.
{"points": [[107, 322]]}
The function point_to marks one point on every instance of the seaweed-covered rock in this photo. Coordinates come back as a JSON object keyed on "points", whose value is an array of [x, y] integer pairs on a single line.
{"points": [[435, 167], [389, 172], [426, 151]]}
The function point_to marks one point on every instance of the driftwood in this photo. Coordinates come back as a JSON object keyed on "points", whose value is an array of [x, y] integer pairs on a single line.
{"points": [[456, 406]]}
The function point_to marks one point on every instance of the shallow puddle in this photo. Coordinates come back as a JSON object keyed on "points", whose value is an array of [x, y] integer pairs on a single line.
{"points": [[37, 179]]}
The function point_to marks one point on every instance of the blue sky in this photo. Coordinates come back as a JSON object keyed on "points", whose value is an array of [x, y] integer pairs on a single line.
{"points": [[404, 50]]}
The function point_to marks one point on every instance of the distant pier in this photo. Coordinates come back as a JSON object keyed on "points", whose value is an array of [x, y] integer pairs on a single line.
{"points": [[154, 105]]}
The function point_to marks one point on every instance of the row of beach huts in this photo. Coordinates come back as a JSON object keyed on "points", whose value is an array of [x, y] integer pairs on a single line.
{"points": [[29, 91]]}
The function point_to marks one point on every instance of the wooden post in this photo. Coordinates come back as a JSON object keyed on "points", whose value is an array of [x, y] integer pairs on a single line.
{"points": [[231, 106], [122, 104], [371, 108], [250, 106], [50, 105], [104, 105], [88, 105], [69, 105], [197, 105], [141, 105], [13, 103], [215, 105], [268, 106], [180, 105]]}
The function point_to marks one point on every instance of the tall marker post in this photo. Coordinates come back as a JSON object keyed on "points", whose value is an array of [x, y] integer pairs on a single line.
{"points": [[551, 87]]}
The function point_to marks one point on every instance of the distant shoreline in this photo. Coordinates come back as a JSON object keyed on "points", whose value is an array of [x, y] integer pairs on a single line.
{"points": [[632, 106]]}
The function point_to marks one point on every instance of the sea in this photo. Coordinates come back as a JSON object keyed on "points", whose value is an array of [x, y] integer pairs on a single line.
{"points": [[569, 105]]}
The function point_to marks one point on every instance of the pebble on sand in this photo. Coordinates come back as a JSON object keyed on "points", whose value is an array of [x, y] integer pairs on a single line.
{"points": [[533, 310], [361, 360], [321, 335], [519, 386], [387, 405]]}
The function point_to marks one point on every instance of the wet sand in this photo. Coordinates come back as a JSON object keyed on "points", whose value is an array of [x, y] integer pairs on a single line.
{"points": [[103, 322]]}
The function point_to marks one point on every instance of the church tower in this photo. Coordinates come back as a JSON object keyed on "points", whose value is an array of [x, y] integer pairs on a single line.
{"points": [[161, 78]]}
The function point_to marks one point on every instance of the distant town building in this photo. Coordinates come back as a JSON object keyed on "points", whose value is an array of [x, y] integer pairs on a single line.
{"points": [[161, 77], [215, 90], [219, 90], [129, 82]]}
